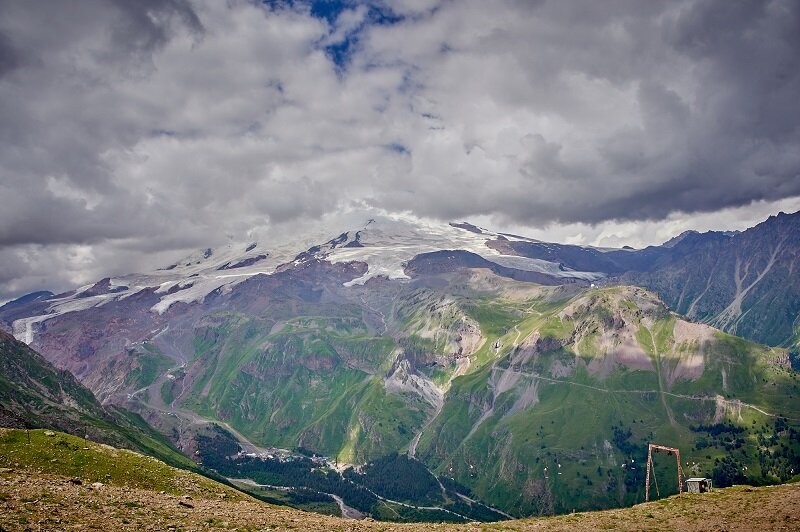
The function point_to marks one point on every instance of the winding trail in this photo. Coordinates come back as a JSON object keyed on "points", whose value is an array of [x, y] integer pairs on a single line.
{"points": [[732, 402], [348, 512], [415, 507], [519, 333], [492, 508], [246, 444]]}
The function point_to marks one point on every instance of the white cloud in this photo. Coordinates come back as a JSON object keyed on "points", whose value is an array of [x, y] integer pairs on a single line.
{"points": [[640, 234]]}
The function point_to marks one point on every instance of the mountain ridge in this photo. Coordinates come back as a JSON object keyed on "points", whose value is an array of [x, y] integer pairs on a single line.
{"points": [[386, 245], [745, 284], [392, 339]]}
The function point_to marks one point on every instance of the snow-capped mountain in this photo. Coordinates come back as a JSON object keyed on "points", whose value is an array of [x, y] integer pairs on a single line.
{"points": [[385, 244], [400, 247]]}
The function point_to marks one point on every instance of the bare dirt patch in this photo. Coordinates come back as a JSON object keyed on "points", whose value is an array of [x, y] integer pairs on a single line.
{"points": [[690, 343]]}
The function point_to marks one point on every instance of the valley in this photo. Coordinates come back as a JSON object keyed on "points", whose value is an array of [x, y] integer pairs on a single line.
{"points": [[509, 392]]}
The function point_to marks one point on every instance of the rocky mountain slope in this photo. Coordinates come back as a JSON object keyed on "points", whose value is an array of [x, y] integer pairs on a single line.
{"points": [[34, 394], [54, 495], [743, 283], [533, 397], [746, 284]]}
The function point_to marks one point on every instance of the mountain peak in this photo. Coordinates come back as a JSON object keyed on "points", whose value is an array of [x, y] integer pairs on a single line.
{"points": [[672, 242]]}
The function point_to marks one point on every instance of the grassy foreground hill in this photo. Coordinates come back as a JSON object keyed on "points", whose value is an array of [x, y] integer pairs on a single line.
{"points": [[61, 482]]}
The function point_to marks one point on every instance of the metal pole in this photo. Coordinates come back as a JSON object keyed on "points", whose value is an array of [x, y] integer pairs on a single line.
{"points": [[647, 475]]}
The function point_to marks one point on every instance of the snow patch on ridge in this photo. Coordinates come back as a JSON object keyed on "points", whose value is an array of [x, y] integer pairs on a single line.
{"points": [[384, 243], [390, 242]]}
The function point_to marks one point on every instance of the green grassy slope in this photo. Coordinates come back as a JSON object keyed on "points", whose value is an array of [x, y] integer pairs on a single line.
{"points": [[33, 393], [58, 453], [315, 381]]}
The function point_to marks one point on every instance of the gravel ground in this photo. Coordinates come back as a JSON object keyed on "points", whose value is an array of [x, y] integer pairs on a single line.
{"points": [[30, 501]]}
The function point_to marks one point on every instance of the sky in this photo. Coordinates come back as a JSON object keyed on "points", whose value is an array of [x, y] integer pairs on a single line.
{"points": [[134, 132]]}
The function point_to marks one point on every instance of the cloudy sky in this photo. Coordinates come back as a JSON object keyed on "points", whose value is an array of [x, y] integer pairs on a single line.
{"points": [[134, 131]]}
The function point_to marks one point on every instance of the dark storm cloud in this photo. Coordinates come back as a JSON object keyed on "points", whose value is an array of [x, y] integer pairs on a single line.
{"points": [[132, 129], [9, 56], [145, 25], [637, 109]]}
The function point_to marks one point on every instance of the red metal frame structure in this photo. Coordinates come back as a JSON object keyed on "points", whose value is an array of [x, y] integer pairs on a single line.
{"points": [[669, 450]]}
